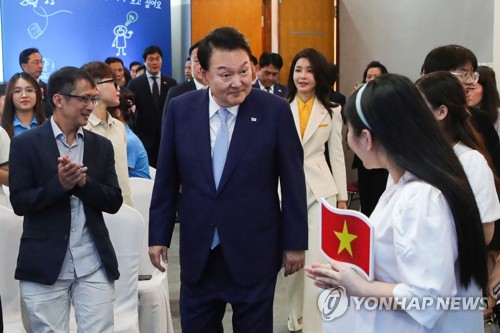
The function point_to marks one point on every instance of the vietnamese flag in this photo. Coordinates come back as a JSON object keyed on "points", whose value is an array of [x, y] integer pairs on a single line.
{"points": [[347, 236]]}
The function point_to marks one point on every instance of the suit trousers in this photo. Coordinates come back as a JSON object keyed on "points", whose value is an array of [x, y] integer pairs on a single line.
{"points": [[302, 294], [48, 306], [203, 304]]}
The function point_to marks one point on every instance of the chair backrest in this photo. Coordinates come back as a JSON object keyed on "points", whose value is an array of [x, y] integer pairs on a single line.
{"points": [[141, 190], [152, 172], [11, 228], [126, 230]]}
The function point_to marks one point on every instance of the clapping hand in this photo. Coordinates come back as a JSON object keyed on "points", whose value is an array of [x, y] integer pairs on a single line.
{"points": [[70, 173]]}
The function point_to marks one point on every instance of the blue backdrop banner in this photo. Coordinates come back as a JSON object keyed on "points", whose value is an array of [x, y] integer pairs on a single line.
{"points": [[74, 32]]}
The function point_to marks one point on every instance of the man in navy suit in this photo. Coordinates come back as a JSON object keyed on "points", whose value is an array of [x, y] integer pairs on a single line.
{"points": [[62, 178], [235, 235], [150, 93], [270, 65], [189, 85]]}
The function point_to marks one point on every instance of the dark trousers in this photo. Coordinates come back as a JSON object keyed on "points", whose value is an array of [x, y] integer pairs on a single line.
{"points": [[203, 303]]}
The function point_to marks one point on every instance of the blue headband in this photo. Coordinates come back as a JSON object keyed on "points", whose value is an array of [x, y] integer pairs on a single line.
{"points": [[358, 106]]}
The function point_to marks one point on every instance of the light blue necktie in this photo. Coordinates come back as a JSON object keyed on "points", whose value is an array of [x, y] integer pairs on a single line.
{"points": [[219, 158]]}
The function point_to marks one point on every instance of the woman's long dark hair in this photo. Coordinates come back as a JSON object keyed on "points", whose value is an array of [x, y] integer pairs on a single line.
{"points": [[321, 72], [401, 121], [490, 102], [10, 110], [443, 88]]}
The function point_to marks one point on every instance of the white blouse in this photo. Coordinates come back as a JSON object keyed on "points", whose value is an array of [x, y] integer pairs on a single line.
{"points": [[481, 181], [415, 246]]}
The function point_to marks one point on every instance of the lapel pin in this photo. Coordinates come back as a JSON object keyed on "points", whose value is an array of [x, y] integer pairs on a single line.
{"points": [[253, 119]]}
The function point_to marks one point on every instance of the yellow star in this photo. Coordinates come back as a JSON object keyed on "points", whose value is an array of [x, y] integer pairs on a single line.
{"points": [[345, 239]]}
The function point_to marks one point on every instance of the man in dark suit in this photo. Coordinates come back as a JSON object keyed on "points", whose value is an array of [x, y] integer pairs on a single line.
{"points": [[62, 178], [31, 61], [228, 146], [150, 93], [197, 82], [268, 75]]}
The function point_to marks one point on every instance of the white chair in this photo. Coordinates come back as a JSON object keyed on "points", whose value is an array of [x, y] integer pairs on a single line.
{"points": [[154, 304], [126, 231], [142, 190], [152, 173], [11, 228]]}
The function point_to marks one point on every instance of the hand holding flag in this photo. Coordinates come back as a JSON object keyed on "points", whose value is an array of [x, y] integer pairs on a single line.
{"points": [[347, 236]]}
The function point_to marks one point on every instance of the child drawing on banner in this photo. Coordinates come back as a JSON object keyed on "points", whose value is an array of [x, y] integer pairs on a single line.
{"points": [[122, 33]]}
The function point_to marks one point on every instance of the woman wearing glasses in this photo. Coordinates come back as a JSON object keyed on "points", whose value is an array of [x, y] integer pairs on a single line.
{"points": [[23, 110], [23, 107], [485, 95]]}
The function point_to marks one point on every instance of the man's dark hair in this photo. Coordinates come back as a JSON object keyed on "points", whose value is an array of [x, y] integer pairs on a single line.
{"points": [[270, 58], [133, 63], [194, 46], [254, 60], [224, 38], [98, 70], [64, 80], [112, 60], [25, 55], [140, 68], [448, 57], [151, 50]]}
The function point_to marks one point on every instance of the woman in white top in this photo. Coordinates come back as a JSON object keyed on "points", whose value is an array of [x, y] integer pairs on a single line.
{"points": [[445, 96], [425, 243], [319, 124]]}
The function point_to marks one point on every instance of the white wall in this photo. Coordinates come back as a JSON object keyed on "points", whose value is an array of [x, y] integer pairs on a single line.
{"points": [[180, 15], [399, 33]]}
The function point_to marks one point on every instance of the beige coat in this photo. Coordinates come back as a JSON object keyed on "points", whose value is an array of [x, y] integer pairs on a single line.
{"points": [[320, 129]]}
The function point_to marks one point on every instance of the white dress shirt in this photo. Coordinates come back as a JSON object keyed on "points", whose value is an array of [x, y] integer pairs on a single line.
{"points": [[215, 122]]}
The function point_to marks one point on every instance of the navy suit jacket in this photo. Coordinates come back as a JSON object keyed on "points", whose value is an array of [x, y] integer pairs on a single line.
{"points": [[279, 89], [182, 88], [147, 124], [36, 193], [253, 229]]}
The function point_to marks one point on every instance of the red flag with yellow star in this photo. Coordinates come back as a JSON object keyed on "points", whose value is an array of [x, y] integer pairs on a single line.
{"points": [[347, 236]]}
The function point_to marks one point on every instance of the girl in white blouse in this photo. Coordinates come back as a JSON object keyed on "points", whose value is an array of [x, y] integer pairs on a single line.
{"points": [[428, 237], [445, 96]]}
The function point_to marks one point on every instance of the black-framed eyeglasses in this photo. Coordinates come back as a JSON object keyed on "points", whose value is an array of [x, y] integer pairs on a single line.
{"points": [[109, 80], [84, 99]]}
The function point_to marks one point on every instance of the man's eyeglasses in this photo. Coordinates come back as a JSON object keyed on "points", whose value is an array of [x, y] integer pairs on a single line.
{"points": [[109, 80], [87, 100], [467, 77]]}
